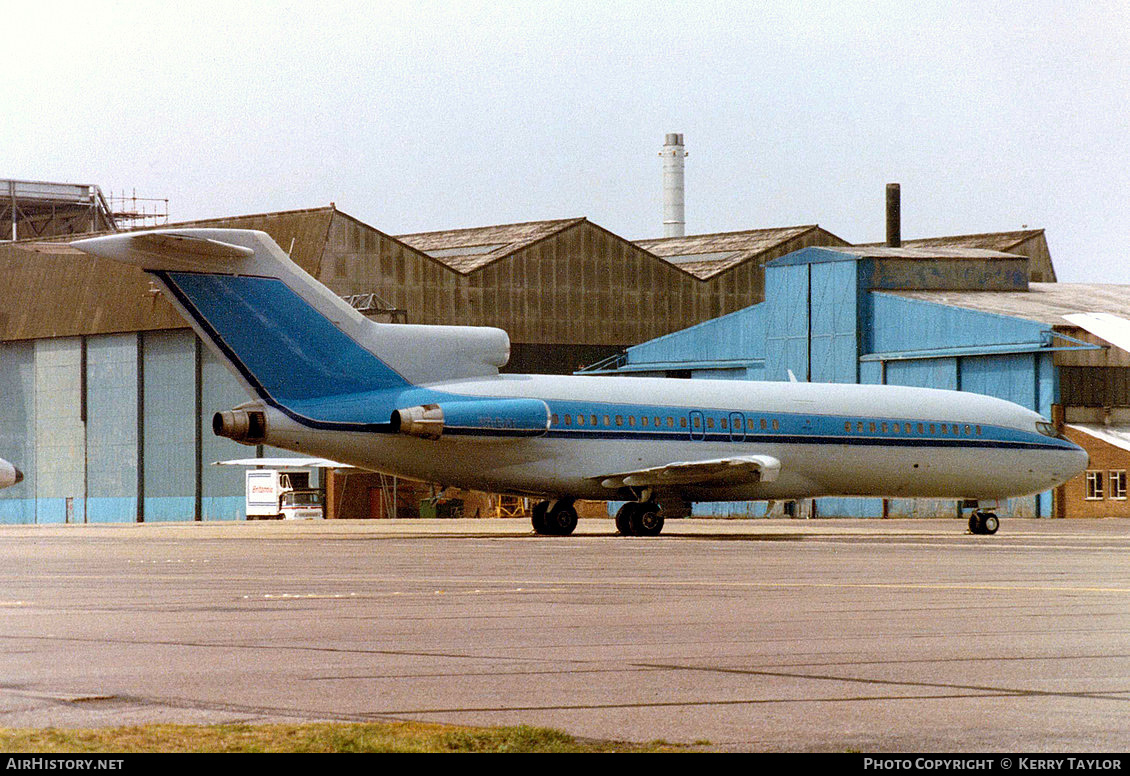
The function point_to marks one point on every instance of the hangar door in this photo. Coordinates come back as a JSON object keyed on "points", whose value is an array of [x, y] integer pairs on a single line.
{"points": [[812, 327]]}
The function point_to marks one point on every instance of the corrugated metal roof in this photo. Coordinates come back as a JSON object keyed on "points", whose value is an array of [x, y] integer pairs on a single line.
{"points": [[991, 241], [466, 250], [705, 255], [1043, 302], [923, 252]]}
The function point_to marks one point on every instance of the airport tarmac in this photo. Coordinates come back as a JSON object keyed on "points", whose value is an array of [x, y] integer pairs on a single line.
{"points": [[752, 635]]}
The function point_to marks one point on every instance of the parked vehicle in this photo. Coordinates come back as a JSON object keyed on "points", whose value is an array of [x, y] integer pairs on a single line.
{"points": [[272, 495]]}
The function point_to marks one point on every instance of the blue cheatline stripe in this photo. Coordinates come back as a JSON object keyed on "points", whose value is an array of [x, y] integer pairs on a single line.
{"points": [[285, 348]]}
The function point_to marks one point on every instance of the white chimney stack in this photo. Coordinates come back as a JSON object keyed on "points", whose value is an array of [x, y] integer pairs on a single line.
{"points": [[673, 153]]}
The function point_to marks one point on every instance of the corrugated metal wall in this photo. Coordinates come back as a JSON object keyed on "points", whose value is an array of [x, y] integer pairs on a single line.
{"points": [[111, 428], [116, 428], [17, 428], [169, 437], [221, 487], [60, 439]]}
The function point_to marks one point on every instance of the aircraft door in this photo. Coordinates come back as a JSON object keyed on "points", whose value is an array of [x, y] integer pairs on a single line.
{"points": [[737, 427], [698, 428]]}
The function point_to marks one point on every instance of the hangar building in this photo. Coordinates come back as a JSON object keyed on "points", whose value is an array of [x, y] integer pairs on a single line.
{"points": [[956, 313]]}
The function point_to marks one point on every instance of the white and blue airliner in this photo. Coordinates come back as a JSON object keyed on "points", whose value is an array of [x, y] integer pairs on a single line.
{"points": [[428, 403]]}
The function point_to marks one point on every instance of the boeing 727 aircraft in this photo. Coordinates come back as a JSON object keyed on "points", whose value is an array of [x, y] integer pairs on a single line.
{"points": [[9, 474], [428, 403]]}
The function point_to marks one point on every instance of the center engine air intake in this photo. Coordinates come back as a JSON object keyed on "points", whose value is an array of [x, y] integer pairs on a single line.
{"points": [[487, 417]]}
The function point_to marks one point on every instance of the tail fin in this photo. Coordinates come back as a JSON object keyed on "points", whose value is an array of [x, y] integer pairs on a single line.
{"points": [[288, 338]]}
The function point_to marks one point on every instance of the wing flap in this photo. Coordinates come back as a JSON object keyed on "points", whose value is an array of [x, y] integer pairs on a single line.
{"points": [[717, 471]]}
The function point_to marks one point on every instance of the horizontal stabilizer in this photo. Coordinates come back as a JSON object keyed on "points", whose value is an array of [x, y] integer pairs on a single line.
{"points": [[715, 472], [289, 339], [166, 250]]}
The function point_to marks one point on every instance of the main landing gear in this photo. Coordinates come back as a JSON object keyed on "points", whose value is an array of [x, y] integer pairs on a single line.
{"points": [[639, 518], [555, 518]]}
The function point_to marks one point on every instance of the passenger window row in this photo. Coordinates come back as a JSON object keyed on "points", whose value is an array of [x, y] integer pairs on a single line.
{"points": [[933, 429], [698, 420], [657, 421]]}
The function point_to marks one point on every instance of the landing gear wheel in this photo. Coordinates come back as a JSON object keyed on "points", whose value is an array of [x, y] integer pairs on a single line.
{"points": [[983, 523], [541, 526], [646, 521], [989, 523], [636, 519], [561, 520], [624, 519]]}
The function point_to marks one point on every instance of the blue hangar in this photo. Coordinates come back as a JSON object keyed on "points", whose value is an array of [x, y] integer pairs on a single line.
{"points": [[945, 317]]}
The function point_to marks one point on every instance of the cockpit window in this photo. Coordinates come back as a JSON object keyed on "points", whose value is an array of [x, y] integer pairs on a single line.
{"points": [[1048, 429]]}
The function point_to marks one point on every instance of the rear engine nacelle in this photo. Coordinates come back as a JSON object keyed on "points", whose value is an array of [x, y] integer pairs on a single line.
{"points": [[479, 417], [248, 427]]}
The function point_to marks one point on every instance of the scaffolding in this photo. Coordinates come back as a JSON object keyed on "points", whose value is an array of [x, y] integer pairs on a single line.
{"points": [[133, 212], [36, 209]]}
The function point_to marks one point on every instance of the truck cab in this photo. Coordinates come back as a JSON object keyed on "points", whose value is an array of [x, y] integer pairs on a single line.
{"points": [[301, 505]]}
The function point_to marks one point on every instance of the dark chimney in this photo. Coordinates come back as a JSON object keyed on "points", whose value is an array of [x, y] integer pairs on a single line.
{"points": [[894, 216]]}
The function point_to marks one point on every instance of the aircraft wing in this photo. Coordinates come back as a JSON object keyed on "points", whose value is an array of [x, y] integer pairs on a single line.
{"points": [[716, 471]]}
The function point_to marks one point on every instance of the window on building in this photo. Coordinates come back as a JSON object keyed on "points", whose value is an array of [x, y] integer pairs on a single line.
{"points": [[1094, 486], [1118, 484]]}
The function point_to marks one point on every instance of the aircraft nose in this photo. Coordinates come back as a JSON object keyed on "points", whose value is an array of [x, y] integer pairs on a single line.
{"points": [[19, 475]]}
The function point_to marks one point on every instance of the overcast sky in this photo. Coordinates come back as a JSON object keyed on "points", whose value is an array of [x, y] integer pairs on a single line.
{"points": [[416, 116]]}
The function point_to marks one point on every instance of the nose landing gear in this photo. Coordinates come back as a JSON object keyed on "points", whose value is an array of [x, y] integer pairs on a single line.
{"points": [[983, 523]]}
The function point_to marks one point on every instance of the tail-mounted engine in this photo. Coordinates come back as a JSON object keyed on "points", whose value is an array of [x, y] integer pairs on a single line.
{"points": [[481, 417], [246, 426]]}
